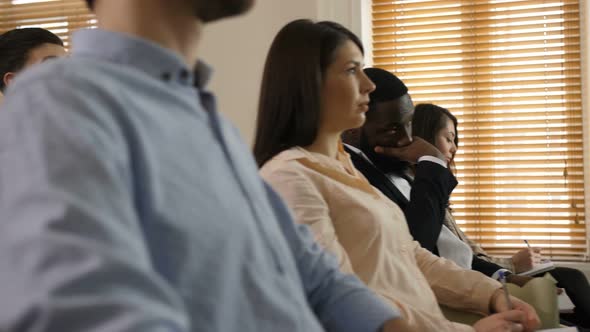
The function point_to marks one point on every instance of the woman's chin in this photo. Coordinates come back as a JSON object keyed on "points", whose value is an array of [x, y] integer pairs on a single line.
{"points": [[354, 123], [359, 121]]}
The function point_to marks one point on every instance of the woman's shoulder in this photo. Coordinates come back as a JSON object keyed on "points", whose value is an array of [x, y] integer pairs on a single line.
{"points": [[285, 163], [289, 175]]}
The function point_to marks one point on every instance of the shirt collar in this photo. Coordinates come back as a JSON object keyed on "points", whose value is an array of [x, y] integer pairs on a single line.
{"points": [[138, 53], [342, 162], [340, 169]]}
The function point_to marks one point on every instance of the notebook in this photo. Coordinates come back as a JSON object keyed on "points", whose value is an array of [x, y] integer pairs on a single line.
{"points": [[544, 266]]}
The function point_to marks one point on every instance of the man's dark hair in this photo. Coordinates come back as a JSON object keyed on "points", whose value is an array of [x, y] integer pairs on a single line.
{"points": [[387, 87], [290, 95], [15, 46], [429, 119]]}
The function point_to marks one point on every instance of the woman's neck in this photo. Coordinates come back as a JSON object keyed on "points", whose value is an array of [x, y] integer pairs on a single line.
{"points": [[326, 144]]}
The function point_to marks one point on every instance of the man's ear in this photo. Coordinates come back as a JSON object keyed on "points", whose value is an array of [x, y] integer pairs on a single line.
{"points": [[8, 77]]}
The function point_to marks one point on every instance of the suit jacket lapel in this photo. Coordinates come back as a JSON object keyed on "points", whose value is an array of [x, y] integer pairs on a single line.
{"points": [[377, 178]]}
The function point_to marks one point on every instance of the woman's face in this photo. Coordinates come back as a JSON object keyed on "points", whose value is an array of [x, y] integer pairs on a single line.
{"points": [[345, 91], [445, 140]]}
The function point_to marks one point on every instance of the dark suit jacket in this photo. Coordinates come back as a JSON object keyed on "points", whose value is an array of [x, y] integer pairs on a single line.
{"points": [[425, 212]]}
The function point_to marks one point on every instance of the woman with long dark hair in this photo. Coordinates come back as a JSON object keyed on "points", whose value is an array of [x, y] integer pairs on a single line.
{"points": [[438, 126], [313, 89]]}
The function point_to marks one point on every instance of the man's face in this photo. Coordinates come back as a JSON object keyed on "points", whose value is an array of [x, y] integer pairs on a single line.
{"points": [[37, 55], [390, 123], [211, 10]]}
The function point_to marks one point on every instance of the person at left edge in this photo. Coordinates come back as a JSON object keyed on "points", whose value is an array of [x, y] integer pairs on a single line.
{"points": [[129, 204], [24, 47]]}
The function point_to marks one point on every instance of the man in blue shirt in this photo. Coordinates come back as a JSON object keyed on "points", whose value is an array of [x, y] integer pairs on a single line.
{"points": [[127, 203]]}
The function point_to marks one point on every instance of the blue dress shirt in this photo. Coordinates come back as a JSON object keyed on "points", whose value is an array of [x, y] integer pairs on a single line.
{"points": [[127, 203]]}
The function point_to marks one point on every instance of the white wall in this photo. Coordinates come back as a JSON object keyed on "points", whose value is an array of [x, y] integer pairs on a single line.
{"points": [[237, 47]]}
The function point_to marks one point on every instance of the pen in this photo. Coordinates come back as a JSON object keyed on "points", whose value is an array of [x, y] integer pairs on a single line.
{"points": [[506, 294], [527, 244], [542, 259]]}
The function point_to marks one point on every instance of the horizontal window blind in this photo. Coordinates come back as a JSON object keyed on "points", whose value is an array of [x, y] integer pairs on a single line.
{"points": [[510, 72], [61, 17]]}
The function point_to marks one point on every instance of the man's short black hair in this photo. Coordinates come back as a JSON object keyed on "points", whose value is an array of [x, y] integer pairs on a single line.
{"points": [[16, 44], [387, 85]]}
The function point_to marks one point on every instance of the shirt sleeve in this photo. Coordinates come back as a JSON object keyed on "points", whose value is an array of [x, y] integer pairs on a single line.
{"points": [[309, 208], [341, 301], [454, 286], [72, 256], [425, 212], [434, 160], [486, 267]]}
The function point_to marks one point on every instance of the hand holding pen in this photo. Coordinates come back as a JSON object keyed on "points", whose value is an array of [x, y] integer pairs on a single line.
{"points": [[525, 259], [503, 302], [536, 253]]}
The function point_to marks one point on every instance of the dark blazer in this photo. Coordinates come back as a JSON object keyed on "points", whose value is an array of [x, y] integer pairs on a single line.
{"points": [[425, 212]]}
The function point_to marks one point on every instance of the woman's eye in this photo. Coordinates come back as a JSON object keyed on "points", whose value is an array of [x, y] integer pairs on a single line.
{"points": [[352, 70]]}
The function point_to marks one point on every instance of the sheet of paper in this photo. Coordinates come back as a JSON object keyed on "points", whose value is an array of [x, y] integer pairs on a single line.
{"points": [[565, 303]]}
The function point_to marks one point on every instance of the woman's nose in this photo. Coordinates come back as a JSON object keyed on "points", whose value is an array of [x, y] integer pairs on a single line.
{"points": [[367, 85]]}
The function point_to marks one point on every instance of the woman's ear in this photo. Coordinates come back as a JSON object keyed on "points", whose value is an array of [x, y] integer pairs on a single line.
{"points": [[8, 77]]}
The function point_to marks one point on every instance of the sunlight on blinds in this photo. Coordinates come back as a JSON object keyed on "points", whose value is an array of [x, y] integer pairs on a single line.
{"points": [[510, 72], [61, 17]]}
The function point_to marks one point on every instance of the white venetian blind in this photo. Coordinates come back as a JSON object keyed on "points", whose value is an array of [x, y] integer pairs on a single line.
{"points": [[61, 17], [510, 72]]}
